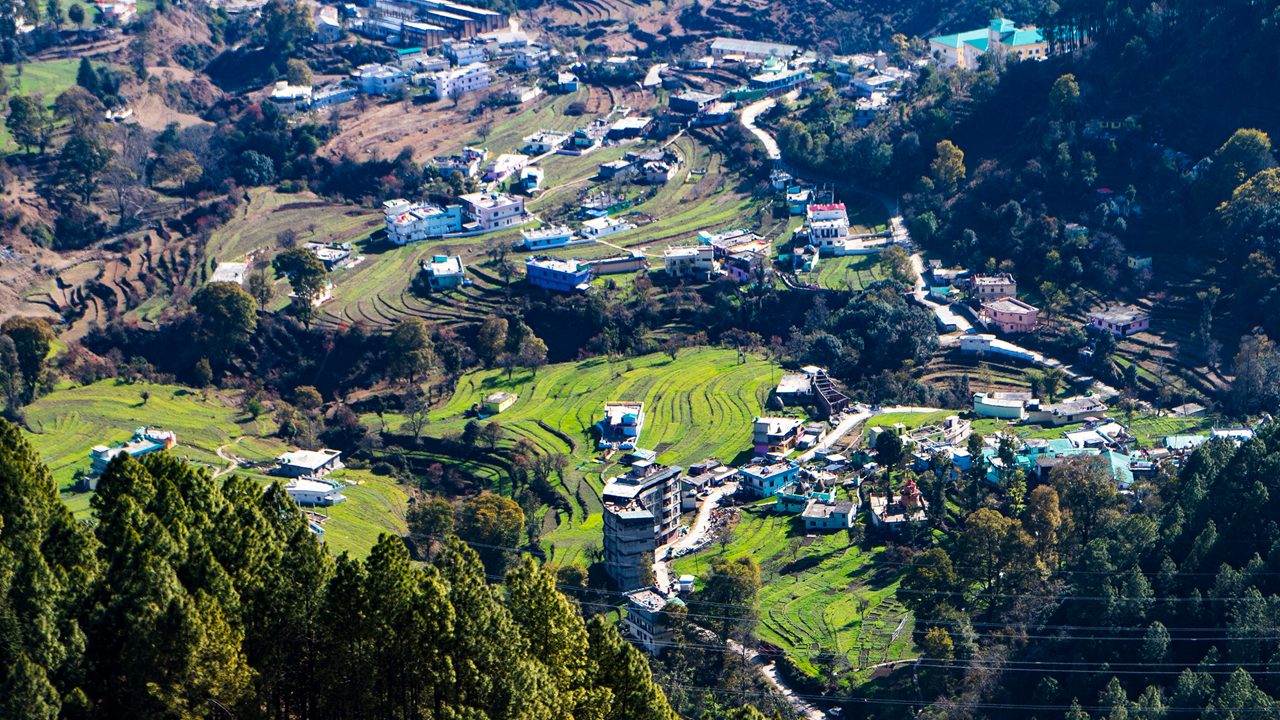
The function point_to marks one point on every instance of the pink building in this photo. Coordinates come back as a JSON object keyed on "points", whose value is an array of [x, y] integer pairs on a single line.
{"points": [[1010, 315]]}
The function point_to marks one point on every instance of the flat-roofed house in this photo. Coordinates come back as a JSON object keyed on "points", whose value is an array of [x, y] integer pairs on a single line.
{"points": [[314, 463]]}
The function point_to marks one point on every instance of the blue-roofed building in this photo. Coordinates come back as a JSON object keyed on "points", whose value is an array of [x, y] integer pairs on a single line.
{"points": [[1001, 36]]}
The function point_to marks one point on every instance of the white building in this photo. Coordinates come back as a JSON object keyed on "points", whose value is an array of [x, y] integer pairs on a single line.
{"points": [[545, 141], [465, 53], [698, 261], [410, 222], [290, 98], [312, 492], [312, 463], [375, 79], [230, 272], [459, 81], [492, 211], [504, 166], [734, 47], [596, 228], [828, 225]]}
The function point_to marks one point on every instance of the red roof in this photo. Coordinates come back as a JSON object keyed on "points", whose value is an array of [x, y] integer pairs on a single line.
{"points": [[832, 206]]}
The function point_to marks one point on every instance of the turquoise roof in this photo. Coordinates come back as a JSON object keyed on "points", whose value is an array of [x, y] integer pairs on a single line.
{"points": [[1023, 37], [1009, 35]]}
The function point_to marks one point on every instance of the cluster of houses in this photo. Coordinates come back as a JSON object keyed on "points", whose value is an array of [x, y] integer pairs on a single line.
{"points": [[999, 309], [145, 440], [473, 214]]}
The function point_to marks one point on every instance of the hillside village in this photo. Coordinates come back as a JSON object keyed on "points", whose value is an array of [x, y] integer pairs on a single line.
{"points": [[745, 337]]}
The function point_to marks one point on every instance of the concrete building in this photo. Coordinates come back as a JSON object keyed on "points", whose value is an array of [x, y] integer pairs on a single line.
{"points": [[335, 256], [763, 480], [775, 434], [311, 463], [781, 81], [993, 287], [290, 98], [644, 624], [1120, 321], [621, 425], [722, 48], [375, 79], [488, 211], [1010, 315], [544, 142], [465, 53], [499, 401], [691, 102], [444, 272], [459, 81], [551, 236], [230, 272], [313, 492], [558, 275], [504, 166], [632, 262], [408, 222], [601, 227], [1002, 405], [629, 127], [145, 441], [819, 514], [641, 514], [692, 262], [1001, 36]]}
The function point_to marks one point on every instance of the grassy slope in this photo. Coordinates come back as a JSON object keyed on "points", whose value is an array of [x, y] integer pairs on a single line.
{"points": [[697, 406], [66, 423], [851, 272], [818, 599], [48, 78]]}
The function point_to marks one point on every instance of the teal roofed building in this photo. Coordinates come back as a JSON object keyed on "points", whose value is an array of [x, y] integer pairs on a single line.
{"points": [[1001, 35]]}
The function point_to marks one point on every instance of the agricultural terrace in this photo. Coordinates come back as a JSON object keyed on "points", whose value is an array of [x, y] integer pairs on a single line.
{"points": [[47, 79], [825, 600], [850, 272], [212, 431], [704, 195], [697, 406], [1147, 429]]}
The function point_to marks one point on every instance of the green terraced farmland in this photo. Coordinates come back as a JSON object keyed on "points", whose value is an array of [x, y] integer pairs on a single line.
{"points": [[697, 406], [65, 424], [822, 599], [851, 272]]}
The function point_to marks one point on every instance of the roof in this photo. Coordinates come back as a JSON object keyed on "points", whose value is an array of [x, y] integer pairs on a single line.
{"points": [[1118, 315], [647, 599], [632, 123], [1013, 306], [489, 200], [557, 265], [308, 459], [229, 272], [1184, 442], [443, 265], [752, 47], [778, 425], [309, 485]]}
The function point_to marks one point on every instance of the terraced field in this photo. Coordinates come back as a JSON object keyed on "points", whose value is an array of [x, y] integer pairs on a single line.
{"points": [[825, 601], [697, 406], [851, 272], [66, 423]]}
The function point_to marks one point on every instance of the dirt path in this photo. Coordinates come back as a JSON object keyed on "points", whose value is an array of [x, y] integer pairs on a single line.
{"points": [[233, 462]]}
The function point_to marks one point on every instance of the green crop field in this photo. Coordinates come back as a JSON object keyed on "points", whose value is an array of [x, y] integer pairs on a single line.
{"points": [[850, 272], [65, 424], [258, 223], [822, 599], [48, 79], [697, 406]]}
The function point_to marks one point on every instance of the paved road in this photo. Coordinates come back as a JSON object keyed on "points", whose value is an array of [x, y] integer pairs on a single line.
{"points": [[769, 671], [701, 526], [753, 111]]}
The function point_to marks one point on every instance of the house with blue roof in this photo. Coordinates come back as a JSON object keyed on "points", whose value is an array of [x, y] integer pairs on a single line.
{"points": [[1000, 36]]}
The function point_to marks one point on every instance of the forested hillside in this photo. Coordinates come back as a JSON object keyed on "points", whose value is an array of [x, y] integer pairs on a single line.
{"points": [[1159, 604], [192, 597]]}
